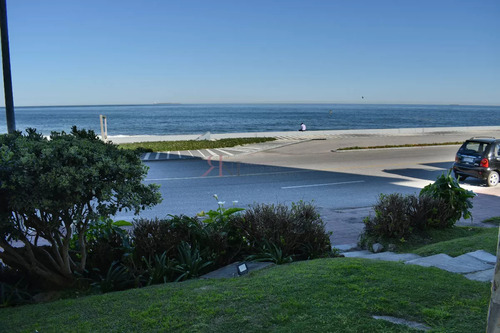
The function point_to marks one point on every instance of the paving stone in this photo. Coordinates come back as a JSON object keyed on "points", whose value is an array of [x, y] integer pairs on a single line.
{"points": [[483, 256], [430, 261], [358, 254], [483, 276], [391, 256], [472, 262], [462, 264], [346, 247], [400, 321]]}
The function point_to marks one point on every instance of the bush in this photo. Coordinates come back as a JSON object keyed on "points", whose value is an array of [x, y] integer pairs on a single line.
{"points": [[298, 231], [13, 287], [398, 217], [53, 189], [107, 243], [456, 202], [393, 216], [157, 236], [181, 247]]}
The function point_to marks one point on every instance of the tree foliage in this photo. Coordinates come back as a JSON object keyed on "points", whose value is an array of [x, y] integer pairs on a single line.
{"points": [[53, 188], [458, 200]]}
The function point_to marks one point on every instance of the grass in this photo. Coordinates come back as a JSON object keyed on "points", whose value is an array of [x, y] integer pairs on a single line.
{"points": [[327, 295], [402, 146], [493, 220], [454, 242], [324, 295], [159, 146]]}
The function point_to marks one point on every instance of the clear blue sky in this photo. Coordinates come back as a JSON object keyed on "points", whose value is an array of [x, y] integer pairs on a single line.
{"points": [[126, 52]]}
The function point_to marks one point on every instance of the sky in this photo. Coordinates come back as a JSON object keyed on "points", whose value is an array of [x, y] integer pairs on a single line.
{"points": [[84, 52]]}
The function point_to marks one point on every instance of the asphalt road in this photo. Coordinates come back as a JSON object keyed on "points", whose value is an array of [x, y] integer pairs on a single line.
{"points": [[308, 171]]}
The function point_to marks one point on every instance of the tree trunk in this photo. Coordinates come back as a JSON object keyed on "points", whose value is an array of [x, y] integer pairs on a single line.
{"points": [[494, 312], [28, 258]]}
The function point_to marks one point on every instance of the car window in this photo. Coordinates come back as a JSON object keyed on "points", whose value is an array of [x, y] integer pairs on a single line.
{"points": [[473, 147], [497, 150]]}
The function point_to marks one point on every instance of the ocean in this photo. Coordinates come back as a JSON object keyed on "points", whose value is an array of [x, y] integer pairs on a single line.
{"points": [[166, 119]]}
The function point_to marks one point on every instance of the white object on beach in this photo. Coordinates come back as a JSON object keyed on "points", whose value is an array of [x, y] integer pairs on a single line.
{"points": [[205, 136]]}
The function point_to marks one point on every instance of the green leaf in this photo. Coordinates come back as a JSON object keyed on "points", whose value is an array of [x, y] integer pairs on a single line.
{"points": [[122, 223]]}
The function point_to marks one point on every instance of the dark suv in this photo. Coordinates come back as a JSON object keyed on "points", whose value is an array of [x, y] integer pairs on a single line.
{"points": [[478, 158]]}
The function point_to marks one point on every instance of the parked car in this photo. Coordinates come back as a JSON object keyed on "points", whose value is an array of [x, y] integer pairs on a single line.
{"points": [[478, 158]]}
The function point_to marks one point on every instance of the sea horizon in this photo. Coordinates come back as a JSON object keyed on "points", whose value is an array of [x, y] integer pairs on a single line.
{"points": [[178, 119], [249, 103]]}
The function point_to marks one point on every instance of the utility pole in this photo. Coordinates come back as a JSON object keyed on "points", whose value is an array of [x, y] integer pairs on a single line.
{"points": [[7, 78]]}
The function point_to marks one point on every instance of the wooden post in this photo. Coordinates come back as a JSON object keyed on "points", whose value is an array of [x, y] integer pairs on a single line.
{"points": [[494, 310], [104, 127]]}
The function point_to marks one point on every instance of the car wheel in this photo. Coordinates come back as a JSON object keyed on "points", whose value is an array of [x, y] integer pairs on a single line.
{"points": [[460, 176], [492, 179]]}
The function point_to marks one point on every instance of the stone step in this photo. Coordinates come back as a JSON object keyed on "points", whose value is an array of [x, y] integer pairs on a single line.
{"points": [[483, 256], [478, 265], [462, 264], [387, 256]]}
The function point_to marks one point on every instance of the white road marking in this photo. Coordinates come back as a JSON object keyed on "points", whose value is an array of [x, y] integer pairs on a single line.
{"points": [[157, 156], [211, 152], [225, 152], [146, 157], [226, 176], [327, 184], [199, 151]]}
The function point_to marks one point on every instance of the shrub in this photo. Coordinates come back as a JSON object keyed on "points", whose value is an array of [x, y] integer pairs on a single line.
{"points": [[13, 287], [398, 217], [191, 264], [154, 237], [159, 269], [270, 252], [53, 189], [222, 241], [211, 232], [297, 231], [456, 201], [393, 216], [117, 278], [107, 243]]}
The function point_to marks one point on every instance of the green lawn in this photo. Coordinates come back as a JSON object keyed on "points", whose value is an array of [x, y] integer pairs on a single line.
{"points": [[324, 295], [327, 295], [493, 220], [454, 242], [159, 146]]}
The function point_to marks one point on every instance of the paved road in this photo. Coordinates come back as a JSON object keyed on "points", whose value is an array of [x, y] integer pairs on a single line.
{"points": [[311, 170]]}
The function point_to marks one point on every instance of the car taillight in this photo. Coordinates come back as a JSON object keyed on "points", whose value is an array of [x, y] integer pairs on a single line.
{"points": [[484, 163]]}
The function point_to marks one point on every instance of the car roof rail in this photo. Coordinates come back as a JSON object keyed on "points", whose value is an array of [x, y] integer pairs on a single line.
{"points": [[482, 137]]}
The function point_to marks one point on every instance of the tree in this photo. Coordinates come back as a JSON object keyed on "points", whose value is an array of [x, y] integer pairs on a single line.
{"points": [[53, 188], [494, 312]]}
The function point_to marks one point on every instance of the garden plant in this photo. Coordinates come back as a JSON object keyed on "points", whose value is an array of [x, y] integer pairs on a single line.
{"points": [[399, 217], [53, 189]]}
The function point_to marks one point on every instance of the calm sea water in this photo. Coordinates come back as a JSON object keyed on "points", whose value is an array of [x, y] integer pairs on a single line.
{"points": [[233, 118]]}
